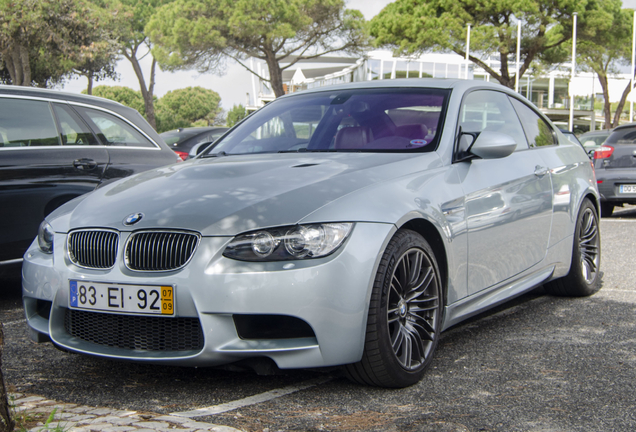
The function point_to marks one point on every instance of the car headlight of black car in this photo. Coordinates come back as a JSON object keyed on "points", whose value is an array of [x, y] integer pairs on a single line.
{"points": [[289, 243], [45, 237]]}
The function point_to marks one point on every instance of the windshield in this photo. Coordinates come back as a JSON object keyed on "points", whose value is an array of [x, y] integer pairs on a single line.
{"points": [[377, 120]]}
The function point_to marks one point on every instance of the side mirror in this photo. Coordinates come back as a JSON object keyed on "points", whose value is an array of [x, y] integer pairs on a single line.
{"points": [[493, 145]]}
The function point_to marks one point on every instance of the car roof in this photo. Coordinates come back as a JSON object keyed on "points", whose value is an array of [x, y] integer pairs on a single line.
{"points": [[625, 126], [459, 84], [56, 94]]}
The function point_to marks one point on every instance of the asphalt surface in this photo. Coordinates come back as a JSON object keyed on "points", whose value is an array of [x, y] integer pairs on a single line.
{"points": [[538, 363]]}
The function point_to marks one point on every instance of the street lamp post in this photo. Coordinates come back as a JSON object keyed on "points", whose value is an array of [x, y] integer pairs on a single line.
{"points": [[467, 50], [518, 55], [631, 100], [571, 124]]}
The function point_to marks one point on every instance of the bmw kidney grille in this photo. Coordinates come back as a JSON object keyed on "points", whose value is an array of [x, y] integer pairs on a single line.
{"points": [[145, 250], [93, 248], [160, 250]]}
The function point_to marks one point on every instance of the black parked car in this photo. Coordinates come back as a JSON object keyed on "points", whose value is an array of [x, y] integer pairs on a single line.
{"points": [[615, 166], [182, 140], [56, 146]]}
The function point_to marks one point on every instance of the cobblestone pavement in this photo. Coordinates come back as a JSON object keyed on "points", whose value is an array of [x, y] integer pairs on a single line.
{"points": [[77, 418]]}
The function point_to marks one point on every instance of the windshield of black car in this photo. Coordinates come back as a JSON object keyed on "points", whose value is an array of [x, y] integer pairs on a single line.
{"points": [[369, 120]]}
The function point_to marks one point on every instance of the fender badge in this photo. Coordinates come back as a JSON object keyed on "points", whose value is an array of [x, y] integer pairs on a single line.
{"points": [[133, 218]]}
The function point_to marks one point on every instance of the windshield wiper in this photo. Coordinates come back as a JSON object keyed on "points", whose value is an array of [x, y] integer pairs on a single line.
{"points": [[300, 150]]}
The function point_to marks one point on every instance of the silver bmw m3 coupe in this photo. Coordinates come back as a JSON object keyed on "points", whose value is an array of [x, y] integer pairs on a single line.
{"points": [[347, 225]]}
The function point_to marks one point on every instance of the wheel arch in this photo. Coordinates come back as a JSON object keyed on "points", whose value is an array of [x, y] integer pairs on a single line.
{"points": [[431, 234]]}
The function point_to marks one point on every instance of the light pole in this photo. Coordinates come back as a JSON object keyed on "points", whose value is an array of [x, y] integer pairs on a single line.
{"points": [[518, 55], [631, 101], [571, 124], [467, 50]]}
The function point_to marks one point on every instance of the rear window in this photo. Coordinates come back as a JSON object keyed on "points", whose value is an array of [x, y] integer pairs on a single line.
{"points": [[176, 137], [622, 136], [370, 120]]}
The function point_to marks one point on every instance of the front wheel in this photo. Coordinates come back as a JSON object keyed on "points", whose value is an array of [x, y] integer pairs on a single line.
{"points": [[584, 278], [405, 315]]}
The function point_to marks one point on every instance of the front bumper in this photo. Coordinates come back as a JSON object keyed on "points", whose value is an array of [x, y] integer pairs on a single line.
{"points": [[331, 295]]}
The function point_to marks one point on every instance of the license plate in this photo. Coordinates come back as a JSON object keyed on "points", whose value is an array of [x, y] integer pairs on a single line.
{"points": [[145, 299], [627, 189]]}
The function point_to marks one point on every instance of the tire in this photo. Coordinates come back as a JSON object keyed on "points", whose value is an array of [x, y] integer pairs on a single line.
{"points": [[584, 278], [606, 209], [405, 315]]}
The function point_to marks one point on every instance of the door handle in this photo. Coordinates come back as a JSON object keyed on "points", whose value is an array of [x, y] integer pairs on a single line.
{"points": [[540, 171], [85, 164]]}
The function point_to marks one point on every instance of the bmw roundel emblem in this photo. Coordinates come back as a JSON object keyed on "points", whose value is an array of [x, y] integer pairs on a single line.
{"points": [[133, 218]]}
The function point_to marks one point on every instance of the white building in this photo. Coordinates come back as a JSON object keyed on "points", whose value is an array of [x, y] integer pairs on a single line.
{"points": [[550, 91]]}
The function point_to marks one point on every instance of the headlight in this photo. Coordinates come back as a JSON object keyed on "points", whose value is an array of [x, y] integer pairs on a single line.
{"points": [[45, 237], [289, 243]]}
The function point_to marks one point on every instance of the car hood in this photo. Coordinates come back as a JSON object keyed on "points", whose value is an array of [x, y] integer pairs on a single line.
{"points": [[232, 194]]}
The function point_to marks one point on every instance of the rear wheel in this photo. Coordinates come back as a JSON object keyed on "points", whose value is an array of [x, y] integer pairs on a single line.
{"points": [[584, 277], [405, 315]]}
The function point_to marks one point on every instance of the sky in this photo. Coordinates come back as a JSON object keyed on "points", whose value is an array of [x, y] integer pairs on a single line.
{"points": [[233, 85]]}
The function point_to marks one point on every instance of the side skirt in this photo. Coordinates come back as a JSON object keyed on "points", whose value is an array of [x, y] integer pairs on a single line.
{"points": [[492, 297]]}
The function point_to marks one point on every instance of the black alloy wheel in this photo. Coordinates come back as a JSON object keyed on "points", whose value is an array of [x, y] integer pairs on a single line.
{"points": [[405, 315]]}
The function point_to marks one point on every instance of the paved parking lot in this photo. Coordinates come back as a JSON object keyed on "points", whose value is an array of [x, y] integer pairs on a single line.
{"points": [[539, 363]]}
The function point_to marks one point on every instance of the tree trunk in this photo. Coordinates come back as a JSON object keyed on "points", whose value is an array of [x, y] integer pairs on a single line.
{"points": [[146, 92], [7, 424], [621, 105], [275, 74], [607, 106], [89, 89]]}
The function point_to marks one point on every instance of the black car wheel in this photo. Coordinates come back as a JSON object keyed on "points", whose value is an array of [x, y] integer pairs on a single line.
{"points": [[584, 277], [405, 315]]}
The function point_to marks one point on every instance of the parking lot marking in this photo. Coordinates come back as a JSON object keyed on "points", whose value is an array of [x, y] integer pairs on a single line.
{"points": [[252, 400]]}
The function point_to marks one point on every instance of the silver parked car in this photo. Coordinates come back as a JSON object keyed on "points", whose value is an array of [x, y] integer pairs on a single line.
{"points": [[348, 225]]}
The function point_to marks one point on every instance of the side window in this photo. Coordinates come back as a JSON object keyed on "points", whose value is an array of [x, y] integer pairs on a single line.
{"points": [[538, 131], [73, 130], [112, 130], [486, 110], [26, 123]]}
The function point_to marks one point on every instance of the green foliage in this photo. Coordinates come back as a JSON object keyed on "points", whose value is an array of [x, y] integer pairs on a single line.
{"points": [[123, 95], [416, 26], [41, 41], [608, 49], [203, 33], [235, 115], [183, 107]]}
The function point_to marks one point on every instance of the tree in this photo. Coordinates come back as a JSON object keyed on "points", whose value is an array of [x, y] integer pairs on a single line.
{"points": [[236, 114], [123, 95], [183, 107], [202, 34], [42, 40], [97, 63], [607, 51], [416, 26], [129, 19]]}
